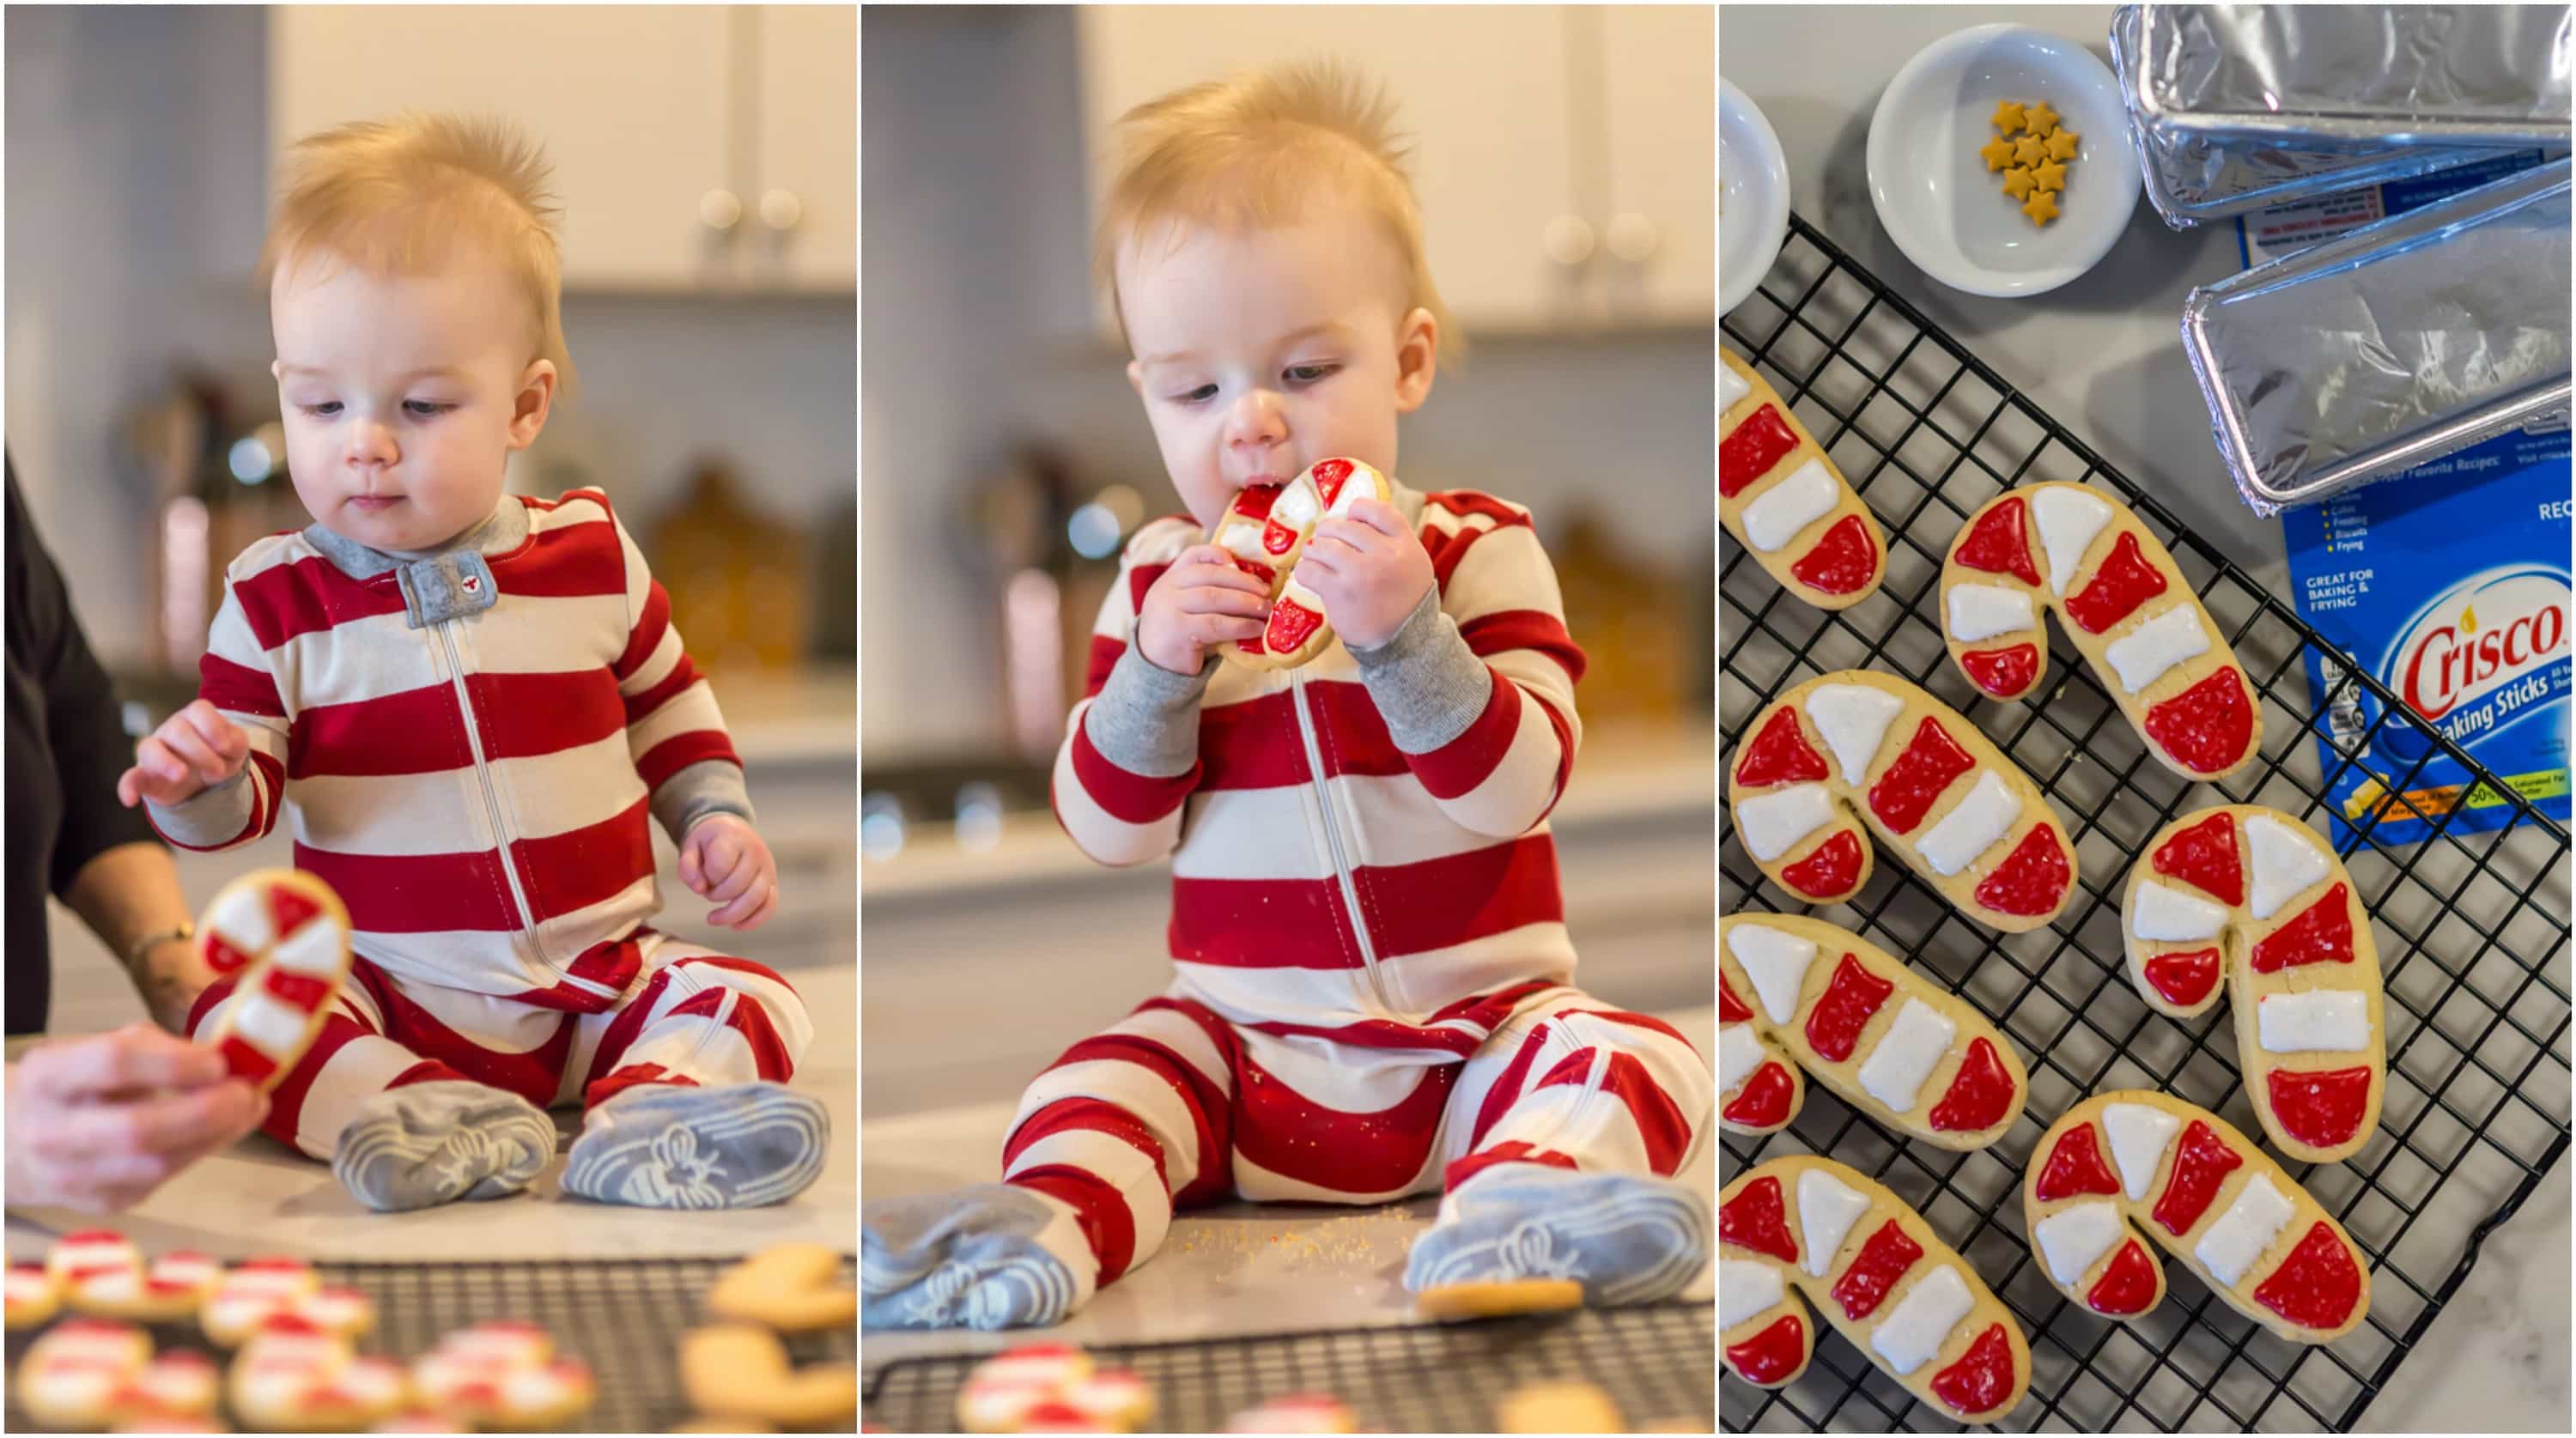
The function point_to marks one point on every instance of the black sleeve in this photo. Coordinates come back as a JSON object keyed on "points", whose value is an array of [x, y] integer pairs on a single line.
{"points": [[82, 722]]}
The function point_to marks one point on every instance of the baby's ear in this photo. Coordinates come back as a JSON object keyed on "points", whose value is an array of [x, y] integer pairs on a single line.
{"points": [[534, 401], [1136, 378], [1417, 359]]}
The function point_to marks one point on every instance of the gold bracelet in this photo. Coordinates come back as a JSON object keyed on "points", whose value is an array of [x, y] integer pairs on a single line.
{"points": [[134, 953]]}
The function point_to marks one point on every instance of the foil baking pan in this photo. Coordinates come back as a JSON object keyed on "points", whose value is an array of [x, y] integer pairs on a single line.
{"points": [[2402, 341], [2355, 77]]}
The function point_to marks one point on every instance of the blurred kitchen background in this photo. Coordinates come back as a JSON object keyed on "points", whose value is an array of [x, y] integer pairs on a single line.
{"points": [[1565, 160], [705, 159]]}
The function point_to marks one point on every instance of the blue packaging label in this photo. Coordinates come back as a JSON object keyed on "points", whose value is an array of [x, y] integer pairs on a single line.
{"points": [[2451, 583]]}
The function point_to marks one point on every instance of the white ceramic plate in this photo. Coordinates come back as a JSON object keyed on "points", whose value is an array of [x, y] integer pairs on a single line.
{"points": [[1948, 212], [1752, 196]]}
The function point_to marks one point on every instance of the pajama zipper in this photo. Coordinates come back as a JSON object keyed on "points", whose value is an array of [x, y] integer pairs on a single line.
{"points": [[491, 801], [1333, 839]]}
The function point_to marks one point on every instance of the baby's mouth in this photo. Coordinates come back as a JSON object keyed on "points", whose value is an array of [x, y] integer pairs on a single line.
{"points": [[373, 503]]}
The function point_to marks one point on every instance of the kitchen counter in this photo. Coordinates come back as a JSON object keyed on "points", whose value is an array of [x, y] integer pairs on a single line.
{"points": [[2103, 354]]}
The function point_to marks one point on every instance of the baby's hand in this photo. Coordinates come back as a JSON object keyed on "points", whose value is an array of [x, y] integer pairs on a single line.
{"points": [[1202, 601], [723, 860], [1370, 569], [193, 751]]}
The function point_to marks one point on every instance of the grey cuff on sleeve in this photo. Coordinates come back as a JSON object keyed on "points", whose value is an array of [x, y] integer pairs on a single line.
{"points": [[216, 815], [710, 786], [1428, 685], [1145, 717]]}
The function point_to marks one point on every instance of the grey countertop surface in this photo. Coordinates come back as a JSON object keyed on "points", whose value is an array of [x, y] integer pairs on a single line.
{"points": [[2103, 354]]}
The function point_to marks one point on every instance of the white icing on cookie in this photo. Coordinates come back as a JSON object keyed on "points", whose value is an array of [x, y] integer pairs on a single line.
{"points": [[2138, 1133], [2247, 1228], [2068, 519], [1772, 824], [270, 1026], [2286, 862], [1915, 1329], [1730, 388], [2157, 645], [313, 951], [1894, 1072], [2074, 1238], [1777, 963], [1746, 1289], [2321, 1022], [1739, 1053], [1854, 719], [1982, 611], [2168, 914], [1298, 505], [1778, 513], [1980, 819], [242, 916], [1827, 1209]]}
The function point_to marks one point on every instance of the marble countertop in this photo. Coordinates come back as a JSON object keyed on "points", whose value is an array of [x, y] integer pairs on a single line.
{"points": [[2104, 355]]}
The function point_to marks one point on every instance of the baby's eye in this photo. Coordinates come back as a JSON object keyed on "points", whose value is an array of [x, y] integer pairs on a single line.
{"points": [[1310, 373], [1200, 395], [324, 410], [427, 409]]}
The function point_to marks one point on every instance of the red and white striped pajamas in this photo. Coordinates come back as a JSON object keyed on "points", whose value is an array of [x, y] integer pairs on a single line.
{"points": [[1371, 994], [477, 788]]}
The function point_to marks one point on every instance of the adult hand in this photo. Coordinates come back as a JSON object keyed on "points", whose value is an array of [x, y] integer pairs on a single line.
{"points": [[95, 1124]]}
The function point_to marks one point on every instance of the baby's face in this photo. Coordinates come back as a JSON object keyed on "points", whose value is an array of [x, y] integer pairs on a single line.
{"points": [[1259, 352], [403, 396]]}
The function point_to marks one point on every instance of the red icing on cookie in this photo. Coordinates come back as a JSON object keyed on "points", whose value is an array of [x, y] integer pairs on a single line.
{"points": [[1748, 454], [2206, 727], [1905, 792], [1881, 1262], [1983, 1376], [2202, 1160], [2204, 856], [2125, 581], [2000, 542], [1755, 1219], [1277, 538], [1830, 872], [2031, 879], [2321, 1109], [1255, 568], [2184, 978], [2128, 1285], [1843, 561], [222, 957], [2321, 934], [2075, 1166], [1290, 623], [289, 908], [1770, 1356], [243, 1061], [1730, 1009], [1764, 1103], [1979, 1093], [2317, 1285], [297, 991], [1834, 1024], [1779, 753], [2004, 673], [1330, 475], [1254, 501]]}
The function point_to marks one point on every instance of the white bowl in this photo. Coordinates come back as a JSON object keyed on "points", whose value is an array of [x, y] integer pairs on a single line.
{"points": [[1752, 196], [1948, 212]]}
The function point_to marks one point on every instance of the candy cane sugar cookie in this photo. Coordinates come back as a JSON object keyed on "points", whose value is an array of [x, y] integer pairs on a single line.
{"points": [[1933, 788], [1296, 1413], [1877, 1272], [91, 1253], [1053, 1384], [1783, 499], [503, 1375], [174, 1386], [289, 935], [2210, 1196], [2129, 611], [293, 1377], [738, 1370], [1266, 529], [251, 1291], [35, 1295], [174, 1287], [70, 1377], [2255, 894], [1823, 1001]]}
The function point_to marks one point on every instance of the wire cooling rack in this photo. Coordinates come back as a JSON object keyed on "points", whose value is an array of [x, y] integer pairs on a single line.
{"points": [[1653, 1361], [623, 1317], [2473, 927]]}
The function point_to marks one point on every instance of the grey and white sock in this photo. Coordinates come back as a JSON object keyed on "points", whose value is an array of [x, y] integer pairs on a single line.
{"points": [[1627, 1238], [433, 1143], [991, 1256], [677, 1146]]}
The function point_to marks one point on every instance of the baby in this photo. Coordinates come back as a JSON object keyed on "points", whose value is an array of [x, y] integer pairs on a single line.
{"points": [[1371, 995], [471, 704]]}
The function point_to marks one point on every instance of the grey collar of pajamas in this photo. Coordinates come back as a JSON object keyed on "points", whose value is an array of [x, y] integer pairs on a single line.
{"points": [[441, 584]]}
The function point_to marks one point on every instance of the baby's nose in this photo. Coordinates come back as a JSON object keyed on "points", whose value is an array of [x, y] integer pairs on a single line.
{"points": [[1258, 419]]}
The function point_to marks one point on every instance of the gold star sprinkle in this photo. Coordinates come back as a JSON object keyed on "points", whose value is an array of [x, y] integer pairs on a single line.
{"points": [[2017, 183], [2051, 176], [1996, 154], [2008, 116], [2029, 151], [2041, 118], [2041, 209], [2061, 145]]}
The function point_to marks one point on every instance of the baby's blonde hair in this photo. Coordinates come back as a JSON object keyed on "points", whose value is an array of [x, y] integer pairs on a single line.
{"points": [[1251, 151], [405, 196]]}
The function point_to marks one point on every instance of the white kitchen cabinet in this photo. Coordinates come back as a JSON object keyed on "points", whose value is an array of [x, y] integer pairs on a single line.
{"points": [[1658, 257], [645, 112]]}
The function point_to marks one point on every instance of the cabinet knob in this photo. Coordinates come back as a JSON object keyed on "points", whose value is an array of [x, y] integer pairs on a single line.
{"points": [[1568, 240], [1631, 237], [780, 209], [720, 209]]}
